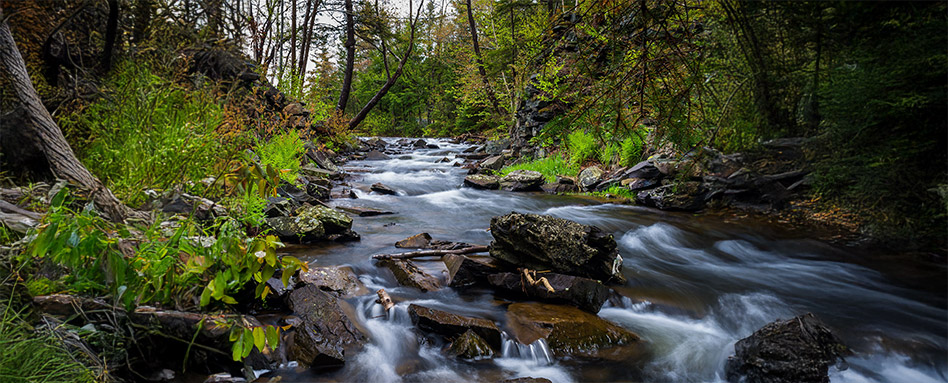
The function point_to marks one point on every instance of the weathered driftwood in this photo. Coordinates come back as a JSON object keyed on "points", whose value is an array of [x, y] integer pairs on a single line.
{"points": [[530, 275], [384, 300], [431, 253]]}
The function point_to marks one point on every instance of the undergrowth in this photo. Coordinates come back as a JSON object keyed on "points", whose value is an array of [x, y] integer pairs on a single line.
{"points": [[550, 167]]}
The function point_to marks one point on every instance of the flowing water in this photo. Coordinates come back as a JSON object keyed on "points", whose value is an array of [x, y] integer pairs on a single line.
{"points": [[697, 285]]}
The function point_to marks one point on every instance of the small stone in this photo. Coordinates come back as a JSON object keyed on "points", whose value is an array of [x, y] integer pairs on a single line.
{"points": [[417, 241]]}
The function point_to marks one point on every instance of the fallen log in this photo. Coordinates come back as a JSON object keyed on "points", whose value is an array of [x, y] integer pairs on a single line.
{"points": [[431, 253]]}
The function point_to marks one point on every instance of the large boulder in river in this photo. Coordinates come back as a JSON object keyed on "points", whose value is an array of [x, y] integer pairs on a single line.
{"points": [[482, 181], [522, 180], [325, 333], [543, 242], [381, 188], [571, 332], [686, 196], [452, 325], [799, 350], [585, 293]]}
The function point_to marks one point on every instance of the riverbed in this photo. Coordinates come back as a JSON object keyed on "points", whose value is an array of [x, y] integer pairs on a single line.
{"points": [[696, 285]]}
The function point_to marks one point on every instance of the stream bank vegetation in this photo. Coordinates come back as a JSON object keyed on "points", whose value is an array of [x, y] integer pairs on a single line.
{"points": [[222, 119]]}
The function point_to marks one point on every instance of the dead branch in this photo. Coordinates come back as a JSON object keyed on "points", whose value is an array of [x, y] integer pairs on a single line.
{"points": [[384, 300], [431, 253]]}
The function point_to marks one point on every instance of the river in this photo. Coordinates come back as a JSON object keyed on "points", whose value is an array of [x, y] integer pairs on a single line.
{"points": [[697, 284]]}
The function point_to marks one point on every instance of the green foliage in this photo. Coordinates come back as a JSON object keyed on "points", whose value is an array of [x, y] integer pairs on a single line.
{"points": [[283, 152], [550, 167], [630, 151], [165, 265], [147, 132], [609, 153], [35, 357], [582, 146], [618, 191]]}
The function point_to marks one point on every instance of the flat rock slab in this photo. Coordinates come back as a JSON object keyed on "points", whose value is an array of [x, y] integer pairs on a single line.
{"points": [[570, 331], [417, 241], [364, 211], [383, 189], [464, 271], [375, 155], [584, 293], [453, 325], [522, 180], [482, 181], [408, 274], [341, 281]]}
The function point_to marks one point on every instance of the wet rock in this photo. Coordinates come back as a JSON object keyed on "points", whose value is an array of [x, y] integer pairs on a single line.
{"points": [[364, 211], [432, 146], [464, 271], [634, 184], [796, 350], [497, 146], [543, 242], [482, 181], [318, 191], [408, 274], [584, 293], [443, 160], [297, 229], [687, 167], [470, 149], [473, 156], [223, 377], [378, 187], [375, 142], [522, 180], [528, 380], [340, 281], [645, 170], [686, 196], [334, 221], [417, 241], [557, 188], [452, 325], [590, 177], [375, 155], [570, 331], [493, 163], [200, 208], [293, 192], [311, 171], [469, 345], [326, 333], [344, 193], [419, 143], [346, 236], [323, 158]]}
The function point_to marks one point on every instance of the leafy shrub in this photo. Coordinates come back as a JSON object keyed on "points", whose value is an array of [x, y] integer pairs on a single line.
{"points": [[608, 154], [630, 151], [284, 152], [581, 146], [147, 132], [550, 167]]}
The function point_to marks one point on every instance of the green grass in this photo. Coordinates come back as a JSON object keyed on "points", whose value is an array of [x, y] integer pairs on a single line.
{"points": [[147, 132], [617, 191], [550, 167]]}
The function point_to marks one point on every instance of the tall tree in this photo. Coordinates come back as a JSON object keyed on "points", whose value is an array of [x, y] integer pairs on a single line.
{"points": [[350, 58], [393, 77], [479, 60], [111, 34], [47, 136]]}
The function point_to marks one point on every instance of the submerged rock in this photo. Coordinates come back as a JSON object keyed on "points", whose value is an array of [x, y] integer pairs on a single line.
{"points": [[453, 325], [522, 180], [417, 241], [378, 187], [543, 242], [469, 345], [585, 293], [570, 331], [482, 181], [325, 333], [796, 350], [408, 274]]}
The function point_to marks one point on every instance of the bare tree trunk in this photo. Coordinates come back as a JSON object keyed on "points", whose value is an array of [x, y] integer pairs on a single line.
{"points": [[479, 60], [292, 37], [308, 38], [350, 58], [48, 137], [111, 34]]}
